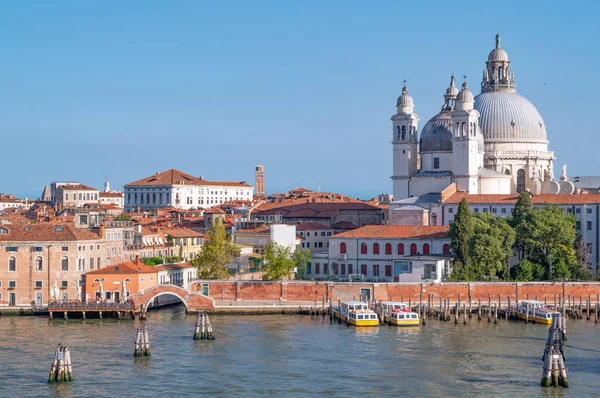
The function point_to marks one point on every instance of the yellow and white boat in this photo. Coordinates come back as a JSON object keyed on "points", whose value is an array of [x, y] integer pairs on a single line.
{"points": [[535, 311], [404, 318], [363, 318], [386, 307], [356, 313]]}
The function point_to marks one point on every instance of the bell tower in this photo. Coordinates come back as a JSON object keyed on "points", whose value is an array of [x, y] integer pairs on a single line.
{"points": [[404, 141], [259, 177]]}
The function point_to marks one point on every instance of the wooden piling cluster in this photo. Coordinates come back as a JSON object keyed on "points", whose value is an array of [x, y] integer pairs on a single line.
{"points": [[555, 372], [142, 343], [62, 368], [203, 329]]}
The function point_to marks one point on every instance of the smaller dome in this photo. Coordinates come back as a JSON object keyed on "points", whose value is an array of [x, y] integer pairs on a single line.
{"points": [[436, 135], [405, 99], [451, 91], [464, 95], [497, 54]]}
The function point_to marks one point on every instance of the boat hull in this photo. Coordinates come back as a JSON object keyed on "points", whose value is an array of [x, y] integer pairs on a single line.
{"points": [[364, 322], [405, 322], [535, 319]]}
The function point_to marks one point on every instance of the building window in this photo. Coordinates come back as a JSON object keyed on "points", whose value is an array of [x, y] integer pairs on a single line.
{"points": [[38, 284], [308, 245], [326, 269], [375, 270], [83, 219], [433, 219], [503, 210], [578, 210], [388, 270], [65, 248], [12, 264], [363, 248], [98, 262], [436, 163], [317, 268], [349, 269], [308, 234], [92, 263], [520, 180], [64, 284], [476, 210], [413, 249], [329, 233], [405, 267], [388, 248], [12, 284], [363, 269], [451, 210], [400, 249], [38, 263], [343, 269], [375, 248], [589, 211], [37, 249], [494, 210], [446, 249], [589, 225], [577, 225], [485, 210], [64, 264], [322, 233], [426, 248]]}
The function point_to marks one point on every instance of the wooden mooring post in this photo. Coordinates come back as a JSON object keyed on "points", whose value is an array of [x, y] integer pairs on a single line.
{"points": [[464, 314], [555, 372], [203, 329], [62, 368], [479, 309], [142, 343], [508, 309]]}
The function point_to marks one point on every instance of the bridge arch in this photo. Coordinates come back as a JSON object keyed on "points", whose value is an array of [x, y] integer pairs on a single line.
{"points": [[193, 301]]}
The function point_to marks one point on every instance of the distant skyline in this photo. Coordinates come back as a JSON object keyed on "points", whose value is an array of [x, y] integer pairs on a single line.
{"points": [[121, 90]]}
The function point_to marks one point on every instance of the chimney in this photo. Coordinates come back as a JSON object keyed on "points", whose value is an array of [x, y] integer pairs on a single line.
{"points": [[102, 231], [137, 259], [138, 209]]}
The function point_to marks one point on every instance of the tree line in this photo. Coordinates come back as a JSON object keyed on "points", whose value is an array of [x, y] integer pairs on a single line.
{"points": [[539, 242]]}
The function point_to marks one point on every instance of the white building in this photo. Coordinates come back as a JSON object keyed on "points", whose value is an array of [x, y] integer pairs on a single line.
{"points": [[494, 143], [173, 188], [386, 253], [116, 198]]}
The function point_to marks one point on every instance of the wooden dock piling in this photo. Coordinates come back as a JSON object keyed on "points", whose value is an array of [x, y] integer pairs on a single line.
{"points": [[479, 309], [470, 305], [554, 372], [464, 314], [142, 343], [508, 309], [489, 308], [203, 328], [62, 368]]}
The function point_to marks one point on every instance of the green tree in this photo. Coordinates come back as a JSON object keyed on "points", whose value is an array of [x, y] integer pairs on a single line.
{"points": [[217, 252], [581, 270], [490, 247], [522, 208], [278, 262], [123, 217], [524, 271], [301, 258], [461, 232], [549, 236]]}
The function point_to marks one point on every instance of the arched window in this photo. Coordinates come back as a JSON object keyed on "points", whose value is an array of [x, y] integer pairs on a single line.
{"points": [[388, 248], [343, 248], [520, 180], [375, 248], [413, 249], [64, 262], [38, 263], [80, 196], [426, 248], [398, 135], [403, 133], [153, 198], [446, 249], [400, 249], [433, 219], [12, 264], [363, 248], [462, 129], [148, 198]]}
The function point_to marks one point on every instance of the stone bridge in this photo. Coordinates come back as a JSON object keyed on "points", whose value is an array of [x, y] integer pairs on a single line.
{"points": [[193, 301]]}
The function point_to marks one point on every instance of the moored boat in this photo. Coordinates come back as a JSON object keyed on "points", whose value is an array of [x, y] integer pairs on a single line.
{"points": [[404, 317], [356, 313], [535, 311], [385, 308]]}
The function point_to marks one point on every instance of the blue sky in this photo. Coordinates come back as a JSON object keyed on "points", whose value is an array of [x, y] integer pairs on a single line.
{"points": [[120, 90]]}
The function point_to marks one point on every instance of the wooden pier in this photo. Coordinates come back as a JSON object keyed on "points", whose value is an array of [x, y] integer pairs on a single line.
{"points": [[97, 309]]}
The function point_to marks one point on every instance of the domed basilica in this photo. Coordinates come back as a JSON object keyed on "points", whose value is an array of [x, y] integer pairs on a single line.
{"points": [[495, 143]]}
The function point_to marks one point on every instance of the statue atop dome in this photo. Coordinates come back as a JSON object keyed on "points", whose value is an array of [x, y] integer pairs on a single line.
{"points": [[497, 40]]}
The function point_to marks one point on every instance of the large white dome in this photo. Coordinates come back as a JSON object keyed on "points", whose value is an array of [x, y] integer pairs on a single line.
{"points": [[509, 117]]}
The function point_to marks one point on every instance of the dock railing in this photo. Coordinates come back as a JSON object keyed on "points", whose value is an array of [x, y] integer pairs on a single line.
{"points": [[76, 305]]}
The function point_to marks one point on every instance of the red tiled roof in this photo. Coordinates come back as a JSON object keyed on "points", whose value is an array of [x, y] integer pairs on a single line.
{"points": [[176, 177], [76, 187], [309, 226], [182, 233], [396, 232], [559, 199], [47, 232], [111, 194], [129, 267], [317, 209], [258, 230], [214, 210]]}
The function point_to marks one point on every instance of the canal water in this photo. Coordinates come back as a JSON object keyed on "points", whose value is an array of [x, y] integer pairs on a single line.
{"points": [[278, 355]]}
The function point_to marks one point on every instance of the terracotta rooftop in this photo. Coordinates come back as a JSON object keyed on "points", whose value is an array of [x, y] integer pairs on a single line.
{"points": [[111, 194], [309, 226], [310, 209], [46, 232], [76, 187], [214, 210], [396, 232], [173, 267], [176, 177], [182, 233], [559, 199], [129, 267]]}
